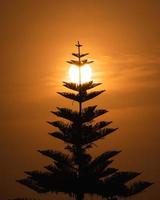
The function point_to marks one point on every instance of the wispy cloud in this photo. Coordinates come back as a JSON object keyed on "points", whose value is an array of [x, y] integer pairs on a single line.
{"points": [[135, 68], [132, 58], [132, 79]]}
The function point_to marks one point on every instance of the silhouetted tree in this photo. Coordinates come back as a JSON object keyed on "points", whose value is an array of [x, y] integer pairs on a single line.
{"points": [[77, 173]]}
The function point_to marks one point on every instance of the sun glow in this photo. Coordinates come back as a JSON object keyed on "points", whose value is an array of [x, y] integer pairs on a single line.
{"points": [[86, 73]]}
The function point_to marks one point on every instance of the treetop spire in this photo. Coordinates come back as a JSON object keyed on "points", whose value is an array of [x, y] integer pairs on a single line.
{"points": [[79, 55], [78, 44]]}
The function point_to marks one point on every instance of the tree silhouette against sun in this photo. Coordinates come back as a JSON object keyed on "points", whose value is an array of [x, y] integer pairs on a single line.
{"points": [[78, 173]]}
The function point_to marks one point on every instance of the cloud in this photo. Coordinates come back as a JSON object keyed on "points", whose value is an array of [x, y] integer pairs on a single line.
{"points": [[139, 97], [131, 79], [134, 68], [132, 59]]}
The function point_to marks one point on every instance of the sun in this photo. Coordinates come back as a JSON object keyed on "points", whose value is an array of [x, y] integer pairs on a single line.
{"points": [[86, 73]]}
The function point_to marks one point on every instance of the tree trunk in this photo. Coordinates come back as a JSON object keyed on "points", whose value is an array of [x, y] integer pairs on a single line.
{"points": [[79, 196]]}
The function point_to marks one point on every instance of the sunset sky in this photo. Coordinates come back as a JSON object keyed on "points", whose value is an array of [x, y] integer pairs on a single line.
{"points": [[37, 38]]}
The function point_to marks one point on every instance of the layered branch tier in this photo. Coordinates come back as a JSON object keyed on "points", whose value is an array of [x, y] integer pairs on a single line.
{"points": [[83, 87], [87, 115], [81, 135], [67, 182], [81, 97]]}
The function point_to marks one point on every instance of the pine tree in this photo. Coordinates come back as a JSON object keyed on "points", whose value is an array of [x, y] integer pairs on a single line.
{"points": [[78, 173]]}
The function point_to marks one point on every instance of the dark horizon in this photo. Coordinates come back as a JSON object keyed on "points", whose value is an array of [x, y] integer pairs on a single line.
{"points": [[123, 40]]}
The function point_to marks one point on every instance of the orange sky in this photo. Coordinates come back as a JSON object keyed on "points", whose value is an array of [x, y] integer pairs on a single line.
{"points": [[37, 37]]}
